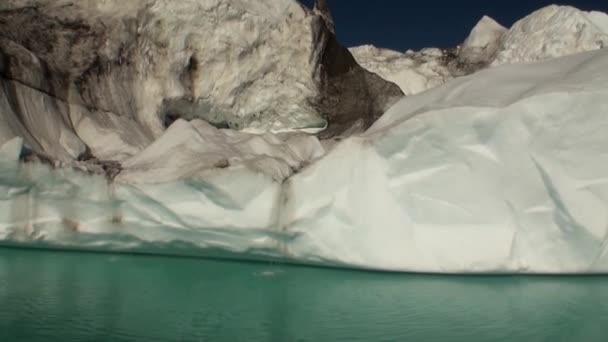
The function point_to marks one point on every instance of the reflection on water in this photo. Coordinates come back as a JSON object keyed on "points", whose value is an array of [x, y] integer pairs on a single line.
{"points": [[54, 296]]}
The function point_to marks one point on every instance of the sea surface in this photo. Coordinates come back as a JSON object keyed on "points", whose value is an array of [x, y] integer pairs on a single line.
{"points": [[71, 296]]}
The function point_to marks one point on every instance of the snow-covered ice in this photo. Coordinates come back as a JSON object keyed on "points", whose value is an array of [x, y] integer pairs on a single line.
{"points": [[500, 171], [482, 43], [417, 71], [550, 32], [413, 72]]}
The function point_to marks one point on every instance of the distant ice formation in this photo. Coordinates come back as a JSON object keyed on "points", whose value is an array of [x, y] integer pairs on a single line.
{"points": [[550, 32]]}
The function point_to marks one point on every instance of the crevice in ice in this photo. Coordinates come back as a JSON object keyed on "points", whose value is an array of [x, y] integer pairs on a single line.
{"points": [[562, 216]]}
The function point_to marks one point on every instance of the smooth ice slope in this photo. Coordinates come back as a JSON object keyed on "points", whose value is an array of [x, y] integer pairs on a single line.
{"points": [[501, 171]]}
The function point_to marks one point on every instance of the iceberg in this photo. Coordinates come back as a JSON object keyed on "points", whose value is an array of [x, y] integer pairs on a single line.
{"points": [[501, 171], [243, 130]]}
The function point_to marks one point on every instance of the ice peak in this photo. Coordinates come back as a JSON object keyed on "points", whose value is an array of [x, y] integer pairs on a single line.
{"points": [[488, 21], [482, 43], [487, 31]]}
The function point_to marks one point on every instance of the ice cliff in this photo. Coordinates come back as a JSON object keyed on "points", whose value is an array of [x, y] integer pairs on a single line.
{"points": [[105, 78]]}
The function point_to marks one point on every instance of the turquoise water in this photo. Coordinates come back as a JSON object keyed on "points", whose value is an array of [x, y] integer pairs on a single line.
{"points": [[60, 296]]}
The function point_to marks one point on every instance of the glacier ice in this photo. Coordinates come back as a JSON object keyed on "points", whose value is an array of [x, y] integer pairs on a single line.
{"points": [[107, 78], [417, 71], [413, 72], [501, 171], [188, 149], [550, 32], [482, 43]]}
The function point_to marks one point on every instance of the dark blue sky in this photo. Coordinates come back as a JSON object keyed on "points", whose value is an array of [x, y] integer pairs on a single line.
{"points": [[406, 24]]}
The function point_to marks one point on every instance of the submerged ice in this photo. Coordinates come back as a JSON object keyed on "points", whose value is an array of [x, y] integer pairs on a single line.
{"points": [[503, 170]]}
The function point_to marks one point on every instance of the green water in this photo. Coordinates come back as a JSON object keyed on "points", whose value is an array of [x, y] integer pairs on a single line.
{"points": [[55, 296]]}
